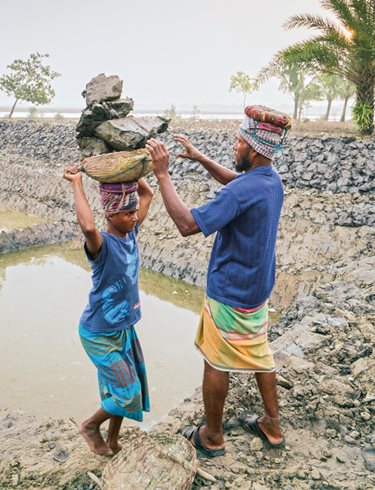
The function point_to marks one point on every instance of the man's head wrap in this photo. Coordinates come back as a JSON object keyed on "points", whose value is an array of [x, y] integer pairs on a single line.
{"points": [[118, 197], [264, 129]]}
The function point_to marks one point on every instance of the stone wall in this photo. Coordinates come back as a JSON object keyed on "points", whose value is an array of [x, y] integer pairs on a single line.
{"points": [[336, 164]]}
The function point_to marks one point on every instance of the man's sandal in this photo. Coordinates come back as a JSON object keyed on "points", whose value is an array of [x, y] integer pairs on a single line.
{"points": [[191, 433], [250, 424]]}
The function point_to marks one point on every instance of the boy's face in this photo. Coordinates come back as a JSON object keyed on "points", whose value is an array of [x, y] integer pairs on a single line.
{"points": [[124, 221]]}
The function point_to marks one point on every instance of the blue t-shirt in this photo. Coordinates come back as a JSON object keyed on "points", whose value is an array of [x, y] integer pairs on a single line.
{"points": [[114, 298], [246, 214]]}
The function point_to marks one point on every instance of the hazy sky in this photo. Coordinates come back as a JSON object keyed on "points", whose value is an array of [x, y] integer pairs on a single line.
{"points": [[166, 51]]}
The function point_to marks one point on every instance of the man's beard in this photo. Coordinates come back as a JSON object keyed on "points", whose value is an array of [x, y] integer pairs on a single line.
{"points": [[244, 162], [240, 166]]}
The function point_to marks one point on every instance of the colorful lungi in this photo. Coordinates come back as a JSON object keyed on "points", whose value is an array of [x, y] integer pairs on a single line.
{"points": [[121, 371], [235, 339]]}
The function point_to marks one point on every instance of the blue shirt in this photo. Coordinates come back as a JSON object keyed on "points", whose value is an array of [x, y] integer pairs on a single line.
{"points": [[114, 298], [246, 214]]}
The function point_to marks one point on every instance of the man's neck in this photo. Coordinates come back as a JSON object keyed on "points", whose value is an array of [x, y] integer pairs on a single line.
{"points": [[259, 163]]}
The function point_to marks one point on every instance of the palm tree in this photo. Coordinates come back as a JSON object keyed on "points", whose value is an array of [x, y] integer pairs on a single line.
{"points": [[240, 82], [346, 48], [346, 91], [330, 87], [294, 80]]}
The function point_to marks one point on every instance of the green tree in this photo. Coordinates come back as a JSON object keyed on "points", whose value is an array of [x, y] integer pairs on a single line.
{"points": [[29, 80], [330, 90], [171, 112], [294, 80], [195, 112], [345, 48], [240, 82], [33, 113], [346, 92]]}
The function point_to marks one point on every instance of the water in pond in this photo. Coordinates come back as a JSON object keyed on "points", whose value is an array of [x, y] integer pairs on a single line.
{"points": [[12, 220], [43, 368]]}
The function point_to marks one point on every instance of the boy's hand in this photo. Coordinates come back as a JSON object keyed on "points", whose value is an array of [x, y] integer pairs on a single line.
{"points": [[72, 174]]}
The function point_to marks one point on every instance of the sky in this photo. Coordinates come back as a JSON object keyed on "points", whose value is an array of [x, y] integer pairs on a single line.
{"points": [[166, 51]]}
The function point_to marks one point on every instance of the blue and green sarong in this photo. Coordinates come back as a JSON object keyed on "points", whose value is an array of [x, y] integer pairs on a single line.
{"points": [[121, 368]]}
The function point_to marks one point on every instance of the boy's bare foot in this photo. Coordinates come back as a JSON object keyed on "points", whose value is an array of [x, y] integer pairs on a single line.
{"points": [[114, 446], [90, 432]]}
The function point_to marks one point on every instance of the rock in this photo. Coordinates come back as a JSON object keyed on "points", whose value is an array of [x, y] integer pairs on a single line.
{"points": [[349, 440], [120, 108], [259, 486], [285, 383], [97, 113], [365, 416], [91, 118], [256, 444], [130, 133], [331, 433], [102, 88], [315, 475], [369, 458], [61, 456], [90, 146]]}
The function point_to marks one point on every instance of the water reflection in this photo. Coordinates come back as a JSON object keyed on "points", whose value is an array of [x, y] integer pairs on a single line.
{"points": [[13, 220], [44, 369]]}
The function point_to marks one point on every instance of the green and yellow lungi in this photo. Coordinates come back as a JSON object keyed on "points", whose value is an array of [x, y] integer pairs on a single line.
{"points": [[235, 339]]}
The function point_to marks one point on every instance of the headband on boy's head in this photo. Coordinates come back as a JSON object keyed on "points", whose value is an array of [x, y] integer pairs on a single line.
{"points": [[264, 129], [118, 197]]}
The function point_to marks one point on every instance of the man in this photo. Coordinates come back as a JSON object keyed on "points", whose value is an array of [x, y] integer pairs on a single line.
{"points": [[232, 335]]}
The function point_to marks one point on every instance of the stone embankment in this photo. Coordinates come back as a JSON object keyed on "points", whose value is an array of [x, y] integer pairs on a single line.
{"points": [[324, 339]]}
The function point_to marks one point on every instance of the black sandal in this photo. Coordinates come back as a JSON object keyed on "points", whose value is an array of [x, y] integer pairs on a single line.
{"points": [[191, 433], [250, 424]]}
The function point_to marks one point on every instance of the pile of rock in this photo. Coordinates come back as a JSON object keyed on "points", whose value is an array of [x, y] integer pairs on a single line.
{"points": [[105, 126]]}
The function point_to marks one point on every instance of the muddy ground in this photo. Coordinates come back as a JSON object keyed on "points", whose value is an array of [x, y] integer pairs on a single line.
{"points": [[323, 341]]}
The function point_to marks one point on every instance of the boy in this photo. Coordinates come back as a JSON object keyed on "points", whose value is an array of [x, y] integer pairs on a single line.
{"points": [[107, 324]]}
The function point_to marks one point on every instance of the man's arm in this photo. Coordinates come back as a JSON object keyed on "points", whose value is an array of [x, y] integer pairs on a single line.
{"points": [[177, 210], [145, 197], [217, 171], [94, 239]]}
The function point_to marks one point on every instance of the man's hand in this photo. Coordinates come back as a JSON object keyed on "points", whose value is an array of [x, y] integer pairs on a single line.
{"points": [[159, 155], [72, 174], [190, 151]]}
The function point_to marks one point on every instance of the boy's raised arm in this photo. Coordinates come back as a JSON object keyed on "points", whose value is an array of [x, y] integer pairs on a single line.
{"points": [[94, 239], [145, 197]]}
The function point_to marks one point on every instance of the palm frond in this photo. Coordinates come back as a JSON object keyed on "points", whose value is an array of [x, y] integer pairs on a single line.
{"points": [[269, 70], [311, 22], [341, 8], [311, 53]]}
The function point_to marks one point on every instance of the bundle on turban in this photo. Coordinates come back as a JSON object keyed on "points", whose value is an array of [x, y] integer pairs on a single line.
{"points": [[118, 197], [264, 129]]}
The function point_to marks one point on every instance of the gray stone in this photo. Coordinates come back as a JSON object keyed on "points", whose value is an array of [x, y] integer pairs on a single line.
{"points": [[131, 133], [91, 118], [102, 88], [91, 146], [120, 108], [369, 458]]}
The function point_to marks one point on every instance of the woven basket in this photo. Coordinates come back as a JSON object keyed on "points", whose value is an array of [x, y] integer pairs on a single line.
{"points": [[120, 166], [152, 461]]}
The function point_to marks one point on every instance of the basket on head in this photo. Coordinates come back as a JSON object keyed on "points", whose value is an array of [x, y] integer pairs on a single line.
{"points": [[151, 461], [270, 116], [120, 166]]}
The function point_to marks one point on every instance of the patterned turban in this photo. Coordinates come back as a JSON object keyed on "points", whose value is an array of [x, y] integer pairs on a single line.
{"points": [[118, 197], [264, 129]]}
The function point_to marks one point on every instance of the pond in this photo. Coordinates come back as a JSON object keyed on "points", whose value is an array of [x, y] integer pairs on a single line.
{"points": [[43, 368], [12, 220]]}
